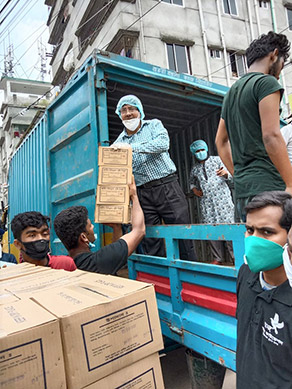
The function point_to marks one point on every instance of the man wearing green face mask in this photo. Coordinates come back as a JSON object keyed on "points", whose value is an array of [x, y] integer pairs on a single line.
{"points": [[264, 296]]}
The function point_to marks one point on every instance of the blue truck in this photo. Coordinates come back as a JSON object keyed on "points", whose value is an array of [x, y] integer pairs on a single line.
{"points": [[56, 166]]}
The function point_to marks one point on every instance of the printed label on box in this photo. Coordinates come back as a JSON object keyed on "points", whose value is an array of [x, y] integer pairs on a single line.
{"points": [[110, 156], [23, 366], [113, 194], [124, 326], [145, 380], [109, 175], [114, 214]]}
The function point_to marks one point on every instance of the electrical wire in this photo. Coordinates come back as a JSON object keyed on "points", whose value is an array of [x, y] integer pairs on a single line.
{"points": [[44, 24], [7, 3], [29, 47], [12, 25], [240, 50], [61, 10], [32, 104], [100, 10], [61, 42], [11, 9], [3, 1]]}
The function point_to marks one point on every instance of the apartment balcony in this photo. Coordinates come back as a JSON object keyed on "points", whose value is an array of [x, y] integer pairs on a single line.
{"points": [[58, 20], [92, 22]]}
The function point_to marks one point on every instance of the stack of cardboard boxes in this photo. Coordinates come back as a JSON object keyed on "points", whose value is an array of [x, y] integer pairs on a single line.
{"points": [[76, 329], [114, 177]]}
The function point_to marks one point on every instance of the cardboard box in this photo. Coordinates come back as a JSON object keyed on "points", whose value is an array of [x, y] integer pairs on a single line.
{"points": [[7, 297], [20, 270], [32, 283], [108, 213], [113, 194], [31, 350], [144, 374], [116, 157], [107, 322], [117, 175]]}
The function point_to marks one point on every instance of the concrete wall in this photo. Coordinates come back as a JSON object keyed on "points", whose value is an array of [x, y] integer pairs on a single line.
{"points": [[181, 25], [15, 124]]}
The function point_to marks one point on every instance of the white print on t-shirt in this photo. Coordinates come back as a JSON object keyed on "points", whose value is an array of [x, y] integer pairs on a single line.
{"points": [[275, 326]]}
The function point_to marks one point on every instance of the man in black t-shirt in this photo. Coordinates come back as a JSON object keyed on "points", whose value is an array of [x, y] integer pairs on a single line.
{"points": [[264, 297], [75, 230]]}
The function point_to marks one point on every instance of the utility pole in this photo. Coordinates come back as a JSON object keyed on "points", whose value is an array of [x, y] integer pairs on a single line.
{"points": [[8, 62], [43, 59]]}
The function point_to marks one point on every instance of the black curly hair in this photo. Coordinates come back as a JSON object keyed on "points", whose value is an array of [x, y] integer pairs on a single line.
{"points": [[275, 198], [265, 44], [69, 224], [27, 219]]}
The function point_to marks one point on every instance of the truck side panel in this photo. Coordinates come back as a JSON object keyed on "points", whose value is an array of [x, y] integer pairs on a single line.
{"points": [[29, 174], [196, 300], [73, 144]]}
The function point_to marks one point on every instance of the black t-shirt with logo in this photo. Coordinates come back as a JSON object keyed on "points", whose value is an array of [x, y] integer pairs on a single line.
{"points": [[264, 334], [108, 260]]}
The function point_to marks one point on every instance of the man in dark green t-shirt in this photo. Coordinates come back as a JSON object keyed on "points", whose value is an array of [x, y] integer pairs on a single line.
{"points": [[249, 140]]}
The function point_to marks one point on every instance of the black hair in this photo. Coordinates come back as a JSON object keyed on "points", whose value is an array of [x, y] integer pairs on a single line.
{"points": [[27, 219], [277, 199], [265, 44], [69, 224]]}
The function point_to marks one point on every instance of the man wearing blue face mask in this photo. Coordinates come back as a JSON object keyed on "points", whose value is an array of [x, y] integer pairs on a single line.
{"points": [[264, 296], [159, 192], [208, 181]]}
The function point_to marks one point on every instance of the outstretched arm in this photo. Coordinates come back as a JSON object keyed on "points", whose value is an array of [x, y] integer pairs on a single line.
{"points": [[134, 237], [223, 146], [273, 139], [117, 230]]}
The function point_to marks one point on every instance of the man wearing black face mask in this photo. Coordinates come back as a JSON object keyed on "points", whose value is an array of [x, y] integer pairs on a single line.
{"points": [[32, 237]]}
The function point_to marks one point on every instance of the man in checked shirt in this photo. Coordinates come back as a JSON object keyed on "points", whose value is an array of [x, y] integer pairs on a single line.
{"points": [[159, 192]]}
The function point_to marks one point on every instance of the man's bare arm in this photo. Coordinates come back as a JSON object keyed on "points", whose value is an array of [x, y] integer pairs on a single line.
{"points": [[117, 231], [273, 139], [223, 146], [134, 237]]}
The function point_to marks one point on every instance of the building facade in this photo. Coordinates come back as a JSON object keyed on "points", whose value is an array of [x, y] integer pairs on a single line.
{"points": [[205, 38], [24, 103]]}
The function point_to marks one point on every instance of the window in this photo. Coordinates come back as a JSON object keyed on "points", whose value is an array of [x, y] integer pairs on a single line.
{"points": [[230, 7], [176, 2], [238, 64], [264, 4], [125, 43], [178, 58], [215, 53], [289, 16]]}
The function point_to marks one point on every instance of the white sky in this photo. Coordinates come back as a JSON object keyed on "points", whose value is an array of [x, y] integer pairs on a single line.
{"points": [[24, 32]]}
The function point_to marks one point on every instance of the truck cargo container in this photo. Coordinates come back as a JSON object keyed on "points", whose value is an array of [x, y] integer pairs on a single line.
{"points": [[56, 166]]}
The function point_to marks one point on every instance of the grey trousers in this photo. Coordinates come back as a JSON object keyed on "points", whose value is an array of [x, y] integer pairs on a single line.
{"points": [[218, 249], [165, 202]]}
